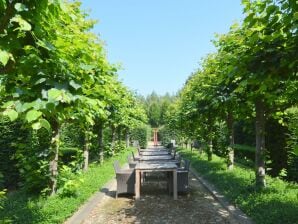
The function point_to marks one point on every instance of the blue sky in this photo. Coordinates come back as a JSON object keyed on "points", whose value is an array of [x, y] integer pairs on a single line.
{"points": [[159, 43]]}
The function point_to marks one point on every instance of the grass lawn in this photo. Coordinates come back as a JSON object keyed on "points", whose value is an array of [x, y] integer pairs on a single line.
{"points": [[22, 208], [278, 203]]}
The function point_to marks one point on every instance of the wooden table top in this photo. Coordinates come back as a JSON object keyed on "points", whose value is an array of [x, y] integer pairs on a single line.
{"points": [[153, 150], [156, 166], [162, 157], [157, 153], [161, 161]]}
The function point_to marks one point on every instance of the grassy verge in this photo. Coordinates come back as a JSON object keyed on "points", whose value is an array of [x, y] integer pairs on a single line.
{"points": [[21, 208], [278, 203]]}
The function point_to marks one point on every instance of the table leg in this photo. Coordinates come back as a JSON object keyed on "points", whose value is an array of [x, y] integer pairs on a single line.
{"points": [[175, 184], [137, 185]]}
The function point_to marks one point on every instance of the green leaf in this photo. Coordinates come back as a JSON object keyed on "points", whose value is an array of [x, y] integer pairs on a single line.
{"points": [[33, 115], [4, 57], [50, 106], [2, 4], [45, 124], [296, 150], [74, 85], [296, 15], [24, 25], [27, 106], [12, 114], [54, 94], [45, 44], [20, 7], [8, 104], [86, 67], [41, 80], [271, 8], [36, 125]]}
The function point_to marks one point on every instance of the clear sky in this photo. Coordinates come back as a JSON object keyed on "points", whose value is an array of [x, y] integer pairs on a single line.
{"points": [[159, 43]]}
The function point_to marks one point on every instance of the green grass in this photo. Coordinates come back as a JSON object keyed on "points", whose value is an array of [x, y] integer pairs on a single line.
{"points": [[278, 203], [21, 208]]}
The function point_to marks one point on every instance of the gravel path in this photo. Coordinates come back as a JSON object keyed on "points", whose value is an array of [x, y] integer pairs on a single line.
{"points": [[156, 206]]}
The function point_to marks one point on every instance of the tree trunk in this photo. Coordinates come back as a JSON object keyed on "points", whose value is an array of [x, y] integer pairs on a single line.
{"points": [[54, 156], [260, 144], [230, 124], [100, 143], [86, 150], [113, 129], [210, 141], [127, 137], [210, 149]]}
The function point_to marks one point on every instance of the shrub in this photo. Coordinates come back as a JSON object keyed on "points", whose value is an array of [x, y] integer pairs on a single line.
{"points": [[72, 156], [10, 136], [68, 183], [32, 160], [292, 144], [245, 154], [119, 146], [71, 136], [166, 135]]}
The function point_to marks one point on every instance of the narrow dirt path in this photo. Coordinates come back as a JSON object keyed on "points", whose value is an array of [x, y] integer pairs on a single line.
{"points": [[156, 206]]}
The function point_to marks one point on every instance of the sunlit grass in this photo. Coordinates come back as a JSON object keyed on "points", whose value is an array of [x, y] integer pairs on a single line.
{"points": [[278, 203]]}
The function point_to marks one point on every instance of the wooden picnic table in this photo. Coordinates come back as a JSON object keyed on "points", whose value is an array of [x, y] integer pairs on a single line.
{"points": [[155, 167]]}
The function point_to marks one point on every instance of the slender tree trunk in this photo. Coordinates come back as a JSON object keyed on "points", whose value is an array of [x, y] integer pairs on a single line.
{"points": [[127, 137], [230, 124], [260, 144], [86, 150], [100, 143], [54, 156], [210, 149], [210, 141], [113, 129]]}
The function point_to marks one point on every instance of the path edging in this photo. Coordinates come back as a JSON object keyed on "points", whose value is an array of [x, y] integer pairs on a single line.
{"points": [[234, 211]]}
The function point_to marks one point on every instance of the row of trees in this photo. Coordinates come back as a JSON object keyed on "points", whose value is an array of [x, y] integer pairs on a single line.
{"points": [[54, 71], [156, 107], [252, 75]]}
